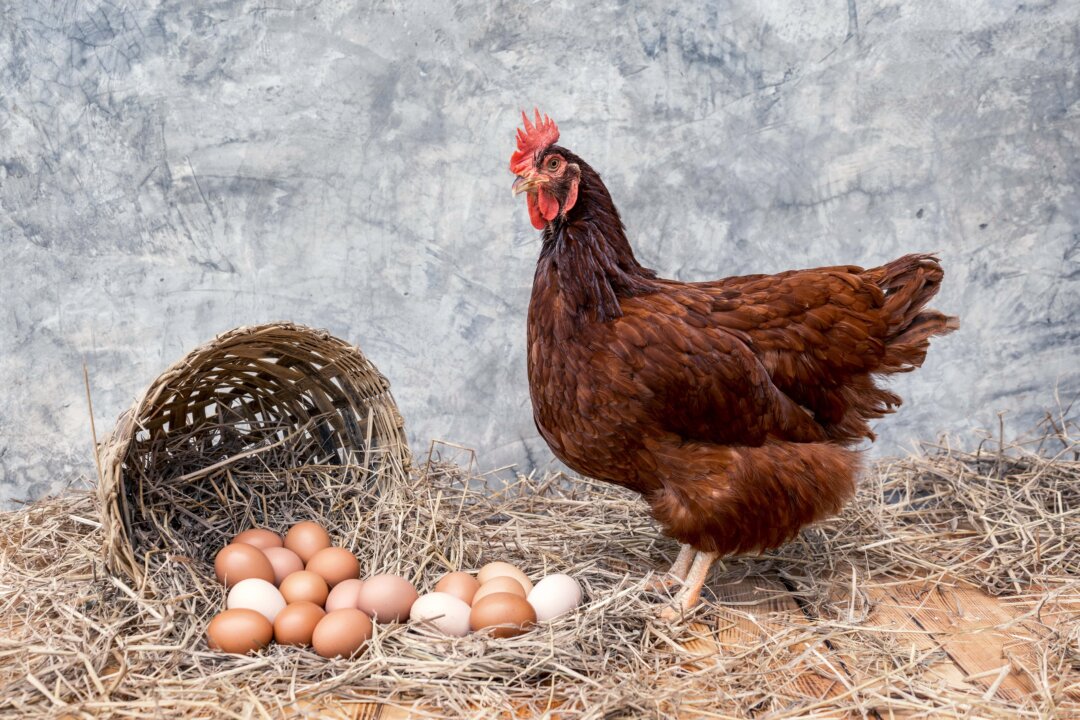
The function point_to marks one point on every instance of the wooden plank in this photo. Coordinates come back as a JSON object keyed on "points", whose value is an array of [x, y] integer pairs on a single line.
{"points": [[977, 638], [1046, 617], [1058, 613], [760, 607], [877, 619], [962, 620], [332, 708], [892, 616]]}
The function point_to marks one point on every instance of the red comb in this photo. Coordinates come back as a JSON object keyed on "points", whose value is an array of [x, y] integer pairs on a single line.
{"points": [[536, 136]]}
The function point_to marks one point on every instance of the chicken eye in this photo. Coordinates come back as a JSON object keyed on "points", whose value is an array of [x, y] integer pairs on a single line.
{"points": [[553, 164]]}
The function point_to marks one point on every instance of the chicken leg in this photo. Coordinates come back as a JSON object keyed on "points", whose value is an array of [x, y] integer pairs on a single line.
{"points": [[691, 590], [676, 574]]}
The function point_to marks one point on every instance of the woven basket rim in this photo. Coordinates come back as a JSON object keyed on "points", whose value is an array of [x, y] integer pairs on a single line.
{"points": [[113, 450]]}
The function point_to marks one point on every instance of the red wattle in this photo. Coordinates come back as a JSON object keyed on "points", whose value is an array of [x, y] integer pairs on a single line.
{"points": [[534, 212], [549, 206]]}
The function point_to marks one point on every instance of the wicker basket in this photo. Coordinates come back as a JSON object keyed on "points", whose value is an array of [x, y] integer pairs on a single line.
{"points": [[238, 399]]}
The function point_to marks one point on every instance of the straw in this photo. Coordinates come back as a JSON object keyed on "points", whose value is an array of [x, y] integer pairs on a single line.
{"points": [[105, 597], [230, 403], [85, 642]]}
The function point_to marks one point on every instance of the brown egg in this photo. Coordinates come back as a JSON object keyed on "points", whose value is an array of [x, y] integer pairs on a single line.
{"points": [[296, 623], [495, 569], [258, 537], [344, 595], [306, 538], [461, 585], [304, 586], [341, 632], [239, 631], [237, 561], [334, 564], [387, 598], [506, 613], [284, 561], [502, 583]]}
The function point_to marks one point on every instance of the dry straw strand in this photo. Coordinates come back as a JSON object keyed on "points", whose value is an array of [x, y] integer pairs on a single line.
{"points": [[234, 399], [612, 659], [123, 633]]}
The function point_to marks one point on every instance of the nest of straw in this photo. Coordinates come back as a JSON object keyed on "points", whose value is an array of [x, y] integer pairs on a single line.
{"points": [[250, 398], [81, 641]]}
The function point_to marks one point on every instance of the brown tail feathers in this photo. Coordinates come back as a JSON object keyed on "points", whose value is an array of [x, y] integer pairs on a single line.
{"points": [[909, 283]]}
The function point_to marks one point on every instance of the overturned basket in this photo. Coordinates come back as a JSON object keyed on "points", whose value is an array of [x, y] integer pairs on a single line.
{"points": [[273, 397]]}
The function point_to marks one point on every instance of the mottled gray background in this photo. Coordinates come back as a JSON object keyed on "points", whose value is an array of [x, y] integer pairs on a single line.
{"points": [[168, 172]]}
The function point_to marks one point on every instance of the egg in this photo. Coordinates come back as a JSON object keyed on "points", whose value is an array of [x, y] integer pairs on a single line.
{"points": [[495, 569], [258, 595], [306, 538], [555, 595], [341, 633], [239, 631], [296, 623], [461, 585], [334, 564], [238, 561], [447, 613], [284, 562], [386, 598], [344, 595], [259, 538], [304, 585], [507, 614], [501, 583]]}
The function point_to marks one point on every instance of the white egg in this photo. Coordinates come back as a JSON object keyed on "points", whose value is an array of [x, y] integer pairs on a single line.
{"points": [[555, 595], [446, 612], [258, 595]]}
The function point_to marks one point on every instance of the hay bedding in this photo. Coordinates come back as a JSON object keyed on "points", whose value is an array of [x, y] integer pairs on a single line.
{"points": [[83, 642]]}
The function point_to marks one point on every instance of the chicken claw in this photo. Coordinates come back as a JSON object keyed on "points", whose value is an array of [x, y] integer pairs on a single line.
{"points": [[691, 590], [676, 575]]}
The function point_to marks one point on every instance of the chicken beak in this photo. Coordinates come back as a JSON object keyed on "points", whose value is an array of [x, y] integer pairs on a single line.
{"points": [[525, 184]]}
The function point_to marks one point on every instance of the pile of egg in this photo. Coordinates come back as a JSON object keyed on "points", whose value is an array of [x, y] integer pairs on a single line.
{"points": [[303, 591], [500, 597]]}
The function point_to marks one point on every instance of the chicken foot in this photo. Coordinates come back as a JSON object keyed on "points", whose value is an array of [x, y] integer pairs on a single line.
{"points": [[691, 590], [676, 574]]}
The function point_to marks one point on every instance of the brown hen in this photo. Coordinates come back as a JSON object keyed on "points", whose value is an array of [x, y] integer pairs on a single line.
{"points": [[730, 405]]}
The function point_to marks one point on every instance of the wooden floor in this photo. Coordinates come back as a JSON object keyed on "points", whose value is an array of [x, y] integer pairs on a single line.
{"points": [[969, 643]]}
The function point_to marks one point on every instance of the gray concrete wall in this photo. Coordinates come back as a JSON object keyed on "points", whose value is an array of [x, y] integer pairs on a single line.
{"points": [[169, 170]]}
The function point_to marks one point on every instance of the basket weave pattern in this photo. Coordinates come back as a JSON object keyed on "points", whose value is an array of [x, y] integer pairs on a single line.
{"points": [[234, 402]]}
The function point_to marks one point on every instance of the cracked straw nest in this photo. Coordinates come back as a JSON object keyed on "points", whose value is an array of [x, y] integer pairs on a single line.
{"points": [[81, 640]]}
